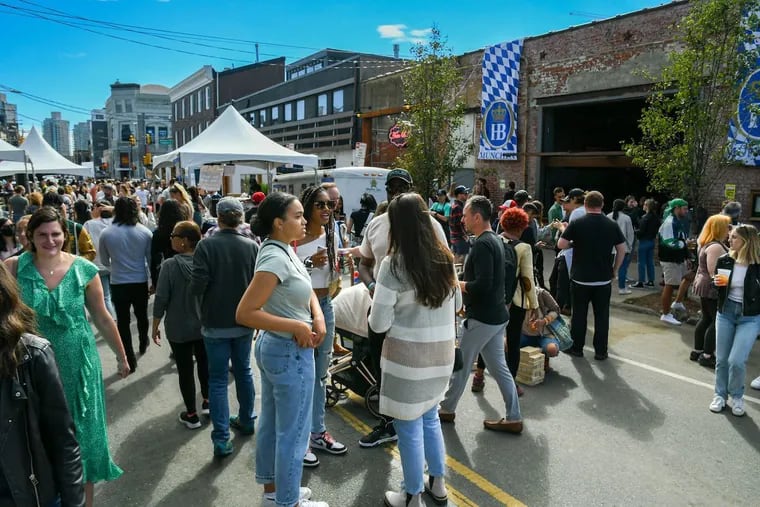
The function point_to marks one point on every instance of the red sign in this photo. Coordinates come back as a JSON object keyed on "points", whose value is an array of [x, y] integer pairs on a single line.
{"points": [[398, 135]]}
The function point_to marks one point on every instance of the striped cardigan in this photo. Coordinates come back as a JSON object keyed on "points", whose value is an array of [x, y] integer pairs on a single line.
{"points": [[418, 351]]}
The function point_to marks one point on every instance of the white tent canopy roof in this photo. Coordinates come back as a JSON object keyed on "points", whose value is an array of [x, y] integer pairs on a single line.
{"points": [[44, 158], [232, 139], [10, 152]]}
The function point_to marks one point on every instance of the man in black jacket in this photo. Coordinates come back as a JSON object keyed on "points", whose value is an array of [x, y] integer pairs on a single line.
{"points": [[223, 267], [37, 433]]}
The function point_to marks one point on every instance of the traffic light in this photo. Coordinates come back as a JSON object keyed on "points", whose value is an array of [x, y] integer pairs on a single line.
{"points": [[147, 159], [148, 139], [132, 140]]}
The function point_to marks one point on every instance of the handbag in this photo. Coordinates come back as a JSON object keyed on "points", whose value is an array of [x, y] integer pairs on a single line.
{"points": [[561, 332]]}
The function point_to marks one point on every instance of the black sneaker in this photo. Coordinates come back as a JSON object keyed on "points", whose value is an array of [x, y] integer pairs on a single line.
{"points": [[190, 420], [637, 285], [382, 433], [204, 408], [649, 285]]}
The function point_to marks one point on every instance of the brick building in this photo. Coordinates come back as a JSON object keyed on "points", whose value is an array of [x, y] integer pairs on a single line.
{"points": [[581, 93]]}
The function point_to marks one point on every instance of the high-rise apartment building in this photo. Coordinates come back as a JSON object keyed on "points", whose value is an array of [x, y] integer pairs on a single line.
{"points": [[82, 151], [8, 121], [55, 130]]}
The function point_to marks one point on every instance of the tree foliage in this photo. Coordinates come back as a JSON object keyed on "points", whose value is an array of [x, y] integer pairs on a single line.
{"points": [[435, 147], [684, 146]]}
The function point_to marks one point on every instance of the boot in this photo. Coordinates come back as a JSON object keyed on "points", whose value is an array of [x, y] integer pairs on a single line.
{"points": [[403, 499], [436, 488], [478, 381]]}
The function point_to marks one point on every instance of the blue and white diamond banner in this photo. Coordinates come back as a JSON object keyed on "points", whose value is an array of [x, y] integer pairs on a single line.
{"points": [[501, 82], [744, 127]]}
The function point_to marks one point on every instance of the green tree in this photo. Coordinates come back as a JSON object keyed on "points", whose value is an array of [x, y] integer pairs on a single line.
{"points": [[684, 146], [435, 146]]}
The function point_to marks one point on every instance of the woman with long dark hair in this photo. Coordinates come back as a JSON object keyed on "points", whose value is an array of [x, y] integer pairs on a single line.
{"points": [[710, 247], [319, 249], [161, 244], [738, 321], [8, 244], [82, 211], [197, 203], [59, 286], [42, 421], [182, 325], [649, 225], [281, 303], [418, 351], [626, 226]]}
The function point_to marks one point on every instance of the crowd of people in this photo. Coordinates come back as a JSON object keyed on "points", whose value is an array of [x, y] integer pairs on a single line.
{"points": [[76, 255]]}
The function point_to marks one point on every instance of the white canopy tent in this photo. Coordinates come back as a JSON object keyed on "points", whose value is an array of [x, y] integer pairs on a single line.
{"points": [[43, 158], [231, 139], [10, 152]]}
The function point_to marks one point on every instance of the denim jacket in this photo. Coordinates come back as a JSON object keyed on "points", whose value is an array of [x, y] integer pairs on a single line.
{"points": [[751, 299]]}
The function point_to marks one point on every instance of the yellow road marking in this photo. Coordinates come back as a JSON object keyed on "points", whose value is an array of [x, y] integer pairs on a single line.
{"points": [[478, 480]]}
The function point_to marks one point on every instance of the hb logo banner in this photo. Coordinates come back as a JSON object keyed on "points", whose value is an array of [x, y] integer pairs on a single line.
{"points": [[501, 82], [744, 126]]}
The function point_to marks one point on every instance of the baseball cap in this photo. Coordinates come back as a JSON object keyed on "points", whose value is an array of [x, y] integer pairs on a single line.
{"points": [[732, 209], [522, 195], [229, 205], [257, 197], [442, 191], [509, 203], [401, 174], [573, 194], [461, 189]]}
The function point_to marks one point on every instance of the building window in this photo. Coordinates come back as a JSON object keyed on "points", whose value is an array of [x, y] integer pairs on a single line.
{"points": [[208, 98], [118, 107], [262, 117], [190, 98], [175, 111], [184, 136], [322, 104], [300, 110], [274, 115], [192, 132], [338, 101], [127, 106], [183, 111], [208, 123], [200, 100], [289, 111], [176, 139]]}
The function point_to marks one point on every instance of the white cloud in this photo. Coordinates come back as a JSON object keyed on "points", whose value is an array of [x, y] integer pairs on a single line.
{"points": [[399, 33], [391, 31]]}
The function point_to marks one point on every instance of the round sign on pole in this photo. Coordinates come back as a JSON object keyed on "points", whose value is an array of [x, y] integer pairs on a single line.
{"points": [[748, 116], [398, 135]]}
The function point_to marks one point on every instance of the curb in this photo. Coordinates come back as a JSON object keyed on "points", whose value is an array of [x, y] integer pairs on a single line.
{"points": [[631, 307]]}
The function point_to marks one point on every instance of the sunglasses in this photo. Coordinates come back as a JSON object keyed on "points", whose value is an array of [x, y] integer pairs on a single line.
{"points": [[325, 204]]}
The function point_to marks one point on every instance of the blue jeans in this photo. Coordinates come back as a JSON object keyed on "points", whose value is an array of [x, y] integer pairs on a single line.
{"points": [[322, 358], [287, 389], [220, 351], [105, 281], [735, 335], [420, 441], [646, 260], [541, 341], [623, 271]]}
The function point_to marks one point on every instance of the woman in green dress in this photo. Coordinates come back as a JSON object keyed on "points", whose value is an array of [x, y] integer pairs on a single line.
{"points": [[58, 286]]}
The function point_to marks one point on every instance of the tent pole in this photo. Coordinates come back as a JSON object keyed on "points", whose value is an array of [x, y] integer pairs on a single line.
{"points": [[269, 177], [34, 176], [26, 173]]}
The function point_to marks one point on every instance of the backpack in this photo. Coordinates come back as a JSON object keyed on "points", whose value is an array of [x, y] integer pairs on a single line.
{"points": [[510, 268]]}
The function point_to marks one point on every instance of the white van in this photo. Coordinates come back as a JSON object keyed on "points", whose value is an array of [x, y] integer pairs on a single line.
{"points": [[352, 183]]}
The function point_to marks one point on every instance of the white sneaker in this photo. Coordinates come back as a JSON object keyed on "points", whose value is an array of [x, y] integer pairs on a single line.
{"points": [[436, 488], [678, 306], [624, 292], [310, 459], [403, 499], [737, 406], [718, 404], [668, 317], [755, 384], [312, 503], [303, 495]]}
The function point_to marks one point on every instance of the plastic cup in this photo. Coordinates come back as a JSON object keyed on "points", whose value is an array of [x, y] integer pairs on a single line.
{"points": [[721, 277]]}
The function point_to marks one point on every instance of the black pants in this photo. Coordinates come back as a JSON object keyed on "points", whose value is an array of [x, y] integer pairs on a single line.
{"points": [[704, 333], [599, 297], [124, 296], [375, 352], [559, 283], [183, 355], [514, 330]]}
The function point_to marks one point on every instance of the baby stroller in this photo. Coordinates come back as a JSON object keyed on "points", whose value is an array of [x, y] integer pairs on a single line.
{"points": [[352, 371]]}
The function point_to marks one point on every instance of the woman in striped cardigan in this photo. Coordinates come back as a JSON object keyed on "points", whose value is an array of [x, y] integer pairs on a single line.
{"points": [[415, 300]]}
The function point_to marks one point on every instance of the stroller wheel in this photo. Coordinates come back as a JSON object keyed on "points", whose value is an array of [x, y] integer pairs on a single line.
{"points": [[332, 397], [372, 400], [338, 386]]}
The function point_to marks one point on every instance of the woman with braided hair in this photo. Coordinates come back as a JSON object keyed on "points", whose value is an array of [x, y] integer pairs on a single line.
{"points": [[318, 250]]}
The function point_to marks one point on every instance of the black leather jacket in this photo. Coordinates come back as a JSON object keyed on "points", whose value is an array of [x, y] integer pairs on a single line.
{"points": [[751, 300], [39, 453]]}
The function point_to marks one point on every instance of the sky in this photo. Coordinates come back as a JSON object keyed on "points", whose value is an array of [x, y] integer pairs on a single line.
{"points": [[47, 58]]}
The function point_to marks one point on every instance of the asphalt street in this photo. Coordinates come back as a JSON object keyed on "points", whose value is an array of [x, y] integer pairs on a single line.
{"points": [[632, 430]]}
